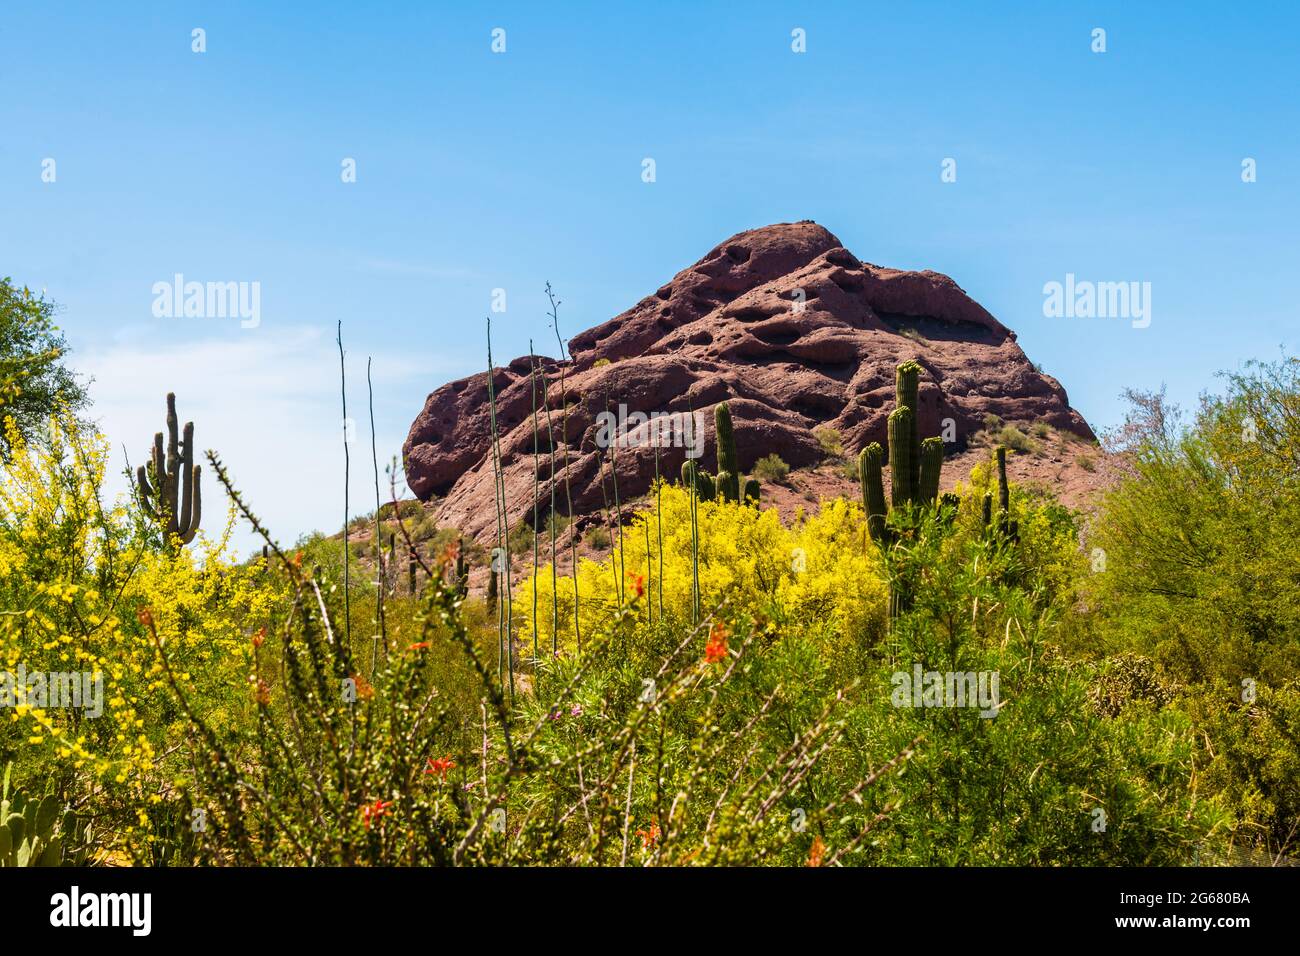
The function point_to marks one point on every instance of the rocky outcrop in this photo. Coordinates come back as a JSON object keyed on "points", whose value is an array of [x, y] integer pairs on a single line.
{"points": [[785, 324]]}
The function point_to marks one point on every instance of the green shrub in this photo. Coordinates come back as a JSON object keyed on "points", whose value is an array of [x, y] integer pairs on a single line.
{"points": [[1015, 439], [771, 468], [521, 538], [829, 439]]}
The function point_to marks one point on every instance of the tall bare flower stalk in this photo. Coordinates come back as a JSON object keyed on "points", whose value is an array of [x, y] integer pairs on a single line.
{"points": [[555, 594], [564, 426], [379, 542], [537, 480], [505, 608], [347, 593]]}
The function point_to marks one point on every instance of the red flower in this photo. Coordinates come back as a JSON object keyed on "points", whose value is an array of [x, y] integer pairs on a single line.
{"points": [[817, 852], [260, 637], [419, 646], [649, 837], [449, 554], [638, 584], [716, 649], [372, 811], [440, 766]]}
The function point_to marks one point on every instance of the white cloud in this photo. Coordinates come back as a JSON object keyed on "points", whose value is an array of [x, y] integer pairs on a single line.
{"points": [[268, 402]]}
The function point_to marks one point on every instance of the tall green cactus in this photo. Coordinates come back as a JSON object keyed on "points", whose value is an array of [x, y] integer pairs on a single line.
{"points": [[169, 487], [870, 460], [1006, 527], [901, 430], [931, 464], [1004, 494], [915, 466], [462, 569], [907, 390], [726, 441], [730, 484]]}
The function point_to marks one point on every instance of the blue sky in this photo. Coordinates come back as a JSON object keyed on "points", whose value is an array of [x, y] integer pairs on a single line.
{"points": [[478, 171]]}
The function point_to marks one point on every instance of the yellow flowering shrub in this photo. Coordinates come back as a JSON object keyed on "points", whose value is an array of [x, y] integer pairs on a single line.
{"points": [[822, 570], [76, 572]]}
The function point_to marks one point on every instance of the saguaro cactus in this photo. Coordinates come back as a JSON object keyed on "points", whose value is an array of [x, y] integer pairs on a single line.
{"points": [[462, 569], [727, 461], [1006, 527], [870, 460], [1004, 494], [915, 466], [730, 484], [907, 386], [693, 474], [901, 430], [931, 464], [169, 486]]}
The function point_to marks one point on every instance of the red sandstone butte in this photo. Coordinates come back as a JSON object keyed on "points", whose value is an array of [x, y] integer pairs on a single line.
{"points": [[785, 324]]}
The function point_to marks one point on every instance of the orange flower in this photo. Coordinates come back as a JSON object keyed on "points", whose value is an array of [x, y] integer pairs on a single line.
{"points": [[262, 693], [373, 811], [259, 638], [364, 690], [145, 616], [638, 584], [817, 852], [440, 766], [297, 559], [716, 649], [419, 646], [649, 837]]}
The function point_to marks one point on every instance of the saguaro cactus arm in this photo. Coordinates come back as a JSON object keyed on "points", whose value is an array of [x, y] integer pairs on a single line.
{"points": [[873, 489], [931, 464], [148, 494], [191, 526], [728, 486], [902, 490], [705, 489]]}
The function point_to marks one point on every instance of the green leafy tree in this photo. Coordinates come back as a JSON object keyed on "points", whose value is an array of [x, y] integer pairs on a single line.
{"points": [[34, 380], [1194, 558]]}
